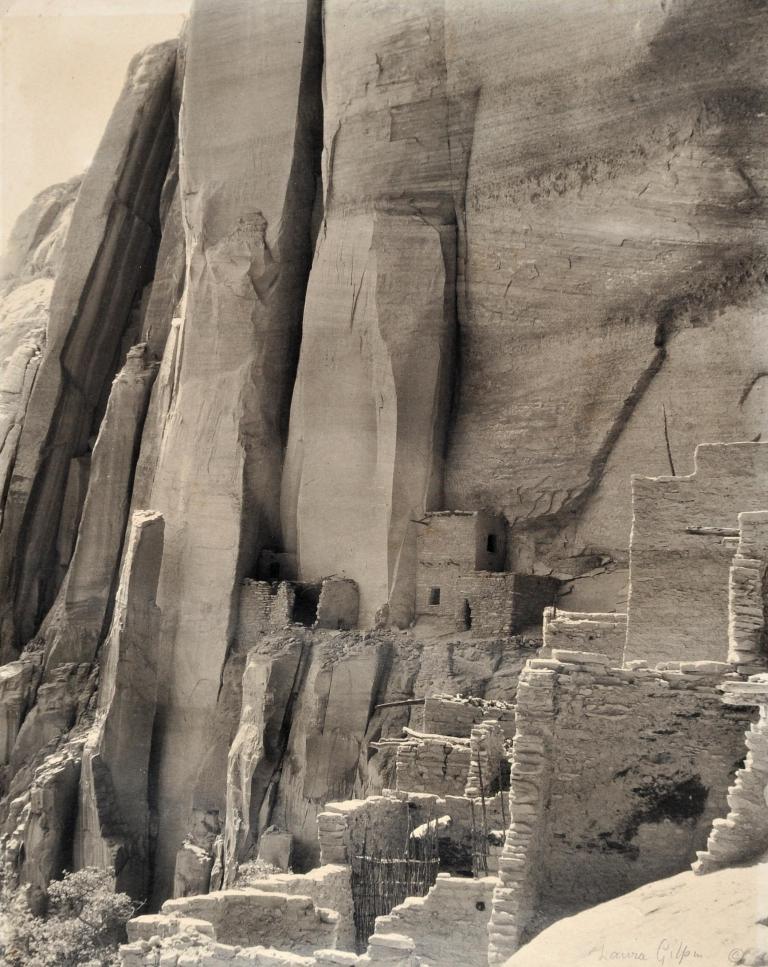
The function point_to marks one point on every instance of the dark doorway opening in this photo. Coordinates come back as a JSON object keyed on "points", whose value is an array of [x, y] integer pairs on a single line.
{"points": [[466, 616], [305, 604]]}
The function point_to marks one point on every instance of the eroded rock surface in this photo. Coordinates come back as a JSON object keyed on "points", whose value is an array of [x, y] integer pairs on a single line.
{"points": [[381, 262], [113, 240], [113, 817]]}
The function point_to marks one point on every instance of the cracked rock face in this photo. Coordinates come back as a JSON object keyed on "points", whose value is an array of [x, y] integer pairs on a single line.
{"points": [[337, 265]]}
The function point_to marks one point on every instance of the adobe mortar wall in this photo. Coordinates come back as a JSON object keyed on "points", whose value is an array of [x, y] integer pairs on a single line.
{"points": [[454, 715], [502, 603], [433, 764], [678, 599], [582, 631], [449, 926], [748, 592], [632, 765]]}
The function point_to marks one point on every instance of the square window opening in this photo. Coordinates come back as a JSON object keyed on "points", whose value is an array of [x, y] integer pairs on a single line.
{"points": [[434, 596], [490, 544]]}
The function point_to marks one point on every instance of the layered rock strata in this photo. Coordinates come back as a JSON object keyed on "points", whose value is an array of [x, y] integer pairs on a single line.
{"points": [[534, 272]]}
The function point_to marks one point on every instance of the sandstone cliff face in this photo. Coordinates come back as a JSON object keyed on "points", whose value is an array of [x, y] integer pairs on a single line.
{"points": [[104, 268], [614, 263], [336, 266], [26, 282]]}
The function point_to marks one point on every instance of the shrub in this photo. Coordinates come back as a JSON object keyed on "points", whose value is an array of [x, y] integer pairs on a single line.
{"points": [[83, 927], [249, 873]]}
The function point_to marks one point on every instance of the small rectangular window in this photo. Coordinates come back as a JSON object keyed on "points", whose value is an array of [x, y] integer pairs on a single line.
{"points": [[490, 544], [434, 596]]}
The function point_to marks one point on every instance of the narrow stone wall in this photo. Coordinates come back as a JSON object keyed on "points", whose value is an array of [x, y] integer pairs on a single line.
{"points": [[743, 834], [448, 926], [436, 764], [454, 715], [514, 899], [747, 593]]}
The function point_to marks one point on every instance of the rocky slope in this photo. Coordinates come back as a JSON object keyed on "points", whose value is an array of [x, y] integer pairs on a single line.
{"points": [[334, 266]]}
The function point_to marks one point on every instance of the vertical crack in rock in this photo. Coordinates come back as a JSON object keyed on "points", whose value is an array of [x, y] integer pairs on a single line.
{"points": [[380, 310], [74, 627], [256, 753], [248, 189], [108, 260]]}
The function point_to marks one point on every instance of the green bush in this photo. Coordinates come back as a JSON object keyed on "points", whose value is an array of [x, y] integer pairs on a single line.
{"points": [[83, 927]]}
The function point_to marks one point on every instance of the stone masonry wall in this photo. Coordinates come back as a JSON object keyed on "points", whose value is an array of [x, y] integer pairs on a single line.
{"points": [[578, 631], [449, 926], [436, 764], [501, 603], [263, 609], [446, 549], [680, 555], [747, 592], [636, 768], [454, 715]]}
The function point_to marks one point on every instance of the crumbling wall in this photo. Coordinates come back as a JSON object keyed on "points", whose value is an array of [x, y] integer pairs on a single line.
{"points": [[456, 715], [748, 593], [579, 631], [448, 926], [680, 555], [437, 764], [742, 835], [385, 824], [251, 917], [637, 766], [338, 605], [264, 608]]}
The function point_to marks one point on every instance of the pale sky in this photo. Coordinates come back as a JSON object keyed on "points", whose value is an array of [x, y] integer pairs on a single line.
{"points": [[62, 64]]}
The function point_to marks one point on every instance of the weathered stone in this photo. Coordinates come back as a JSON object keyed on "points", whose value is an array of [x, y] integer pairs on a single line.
{"points": [[256, 752], [678, 601], [113, 823], [106, 263], [78, 620], [386, 319], [248, 248]]}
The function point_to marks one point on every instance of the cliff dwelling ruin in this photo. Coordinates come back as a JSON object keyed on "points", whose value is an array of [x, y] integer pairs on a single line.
{"points": [[384, 509]]}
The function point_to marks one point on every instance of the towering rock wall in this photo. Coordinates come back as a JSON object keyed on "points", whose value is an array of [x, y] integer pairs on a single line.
{"points": [[538, 232], [109, 258], [369, 413], [614, 261], [247, 176]]}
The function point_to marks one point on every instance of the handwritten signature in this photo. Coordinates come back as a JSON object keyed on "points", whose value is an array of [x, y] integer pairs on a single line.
{"points": [[669, 952]]}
